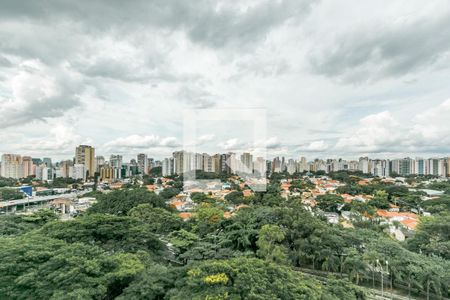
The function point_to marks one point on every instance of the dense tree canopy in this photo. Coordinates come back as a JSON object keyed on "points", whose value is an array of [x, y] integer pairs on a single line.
{"points": [[34, 267], [119, 202], [130, 245], [112, 233]]}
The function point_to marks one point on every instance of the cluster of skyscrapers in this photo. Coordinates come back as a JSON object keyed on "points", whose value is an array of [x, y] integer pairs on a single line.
{"points": [[376, 167], [182, 161], [233, 163], [85, 164]]}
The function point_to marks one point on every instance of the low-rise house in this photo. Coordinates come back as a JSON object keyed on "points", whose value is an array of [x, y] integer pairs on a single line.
{"points": [[332, 217], [394, 208]]}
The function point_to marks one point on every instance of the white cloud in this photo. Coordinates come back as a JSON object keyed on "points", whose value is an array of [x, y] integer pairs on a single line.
{"points": [[427, 132], [374, 133], [37, 92], [318, 146], [206, 138], [432, 127], [272, 143], [141, 142], [231, 144]]}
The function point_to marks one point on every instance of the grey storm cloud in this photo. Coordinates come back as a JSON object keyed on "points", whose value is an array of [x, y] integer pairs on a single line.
{"points": [[4, 62], [204, 21], [384, 50]]}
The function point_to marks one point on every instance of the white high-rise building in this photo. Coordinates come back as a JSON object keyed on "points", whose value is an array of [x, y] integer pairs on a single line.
{"points": [[12, 166], [78, 171], [115, 161], [142, 162], [46, 173], [197, 163], [291, 166], [364, 165], [168, 166], [260, 166], [247, 162], [302, 165], [208, 163]]}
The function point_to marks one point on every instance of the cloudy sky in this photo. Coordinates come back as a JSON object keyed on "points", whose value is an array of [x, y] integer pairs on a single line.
{"points": [[336, 78]]}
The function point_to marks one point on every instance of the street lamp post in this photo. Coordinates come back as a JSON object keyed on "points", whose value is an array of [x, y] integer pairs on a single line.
{"points": [[382, 275]]}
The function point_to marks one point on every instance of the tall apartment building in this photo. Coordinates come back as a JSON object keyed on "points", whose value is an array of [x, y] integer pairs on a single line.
{"points": [[168, 166], [260, 166], [142, 163], [216, 162], [420, 166], [99, 162], [197, 164], [364, 165], [291, 166], [64, 168], [208, 163], [448, 167], [151, 163], [12, 166], [78, 171], [107, 173], [247, 162], [224, 163], [178, 158], [380, 167], [115, 161], [276, 165], [85, 155], [27, 165]]}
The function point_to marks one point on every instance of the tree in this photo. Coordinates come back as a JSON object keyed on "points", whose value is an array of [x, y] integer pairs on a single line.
{"points": [[235, 197], [10, 194], [355, 266], [198, 197], [156, 172], [153, 283], [380, 200], [431, 279], [243, 278], [34, 267], [112, 233], [119, 202], [240, 235], [169, 193], [182, 240], [158, 219], [208, 214], [269, 247], [147, 180], [432, 236], [19, 224], [330, 202]]}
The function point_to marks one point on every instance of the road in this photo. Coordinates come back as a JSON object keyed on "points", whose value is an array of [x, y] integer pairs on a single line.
{"points": [[38, 199]]}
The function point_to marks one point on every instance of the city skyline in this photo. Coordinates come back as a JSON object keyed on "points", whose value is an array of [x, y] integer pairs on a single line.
{"points": [[86, 165], [363, 83]]}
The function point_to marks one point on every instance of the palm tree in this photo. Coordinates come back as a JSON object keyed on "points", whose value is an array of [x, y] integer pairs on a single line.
{"points": [[240, 236], [411, 273], [330, 263], [355, 266], [431, 279], [370, 258]]}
